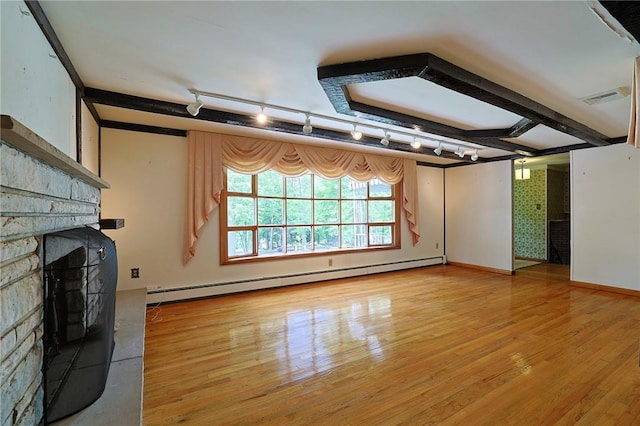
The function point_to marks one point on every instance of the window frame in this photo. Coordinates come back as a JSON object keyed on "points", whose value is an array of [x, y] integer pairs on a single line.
{"points": [[225, 259]]}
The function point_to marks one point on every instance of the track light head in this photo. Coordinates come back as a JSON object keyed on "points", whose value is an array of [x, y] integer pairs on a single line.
{"points": [[385, 140], [307, 128], [460, 152], [416, 144], [194, 107], [356, 134], [261, 118], [438, 150], [474, 156]]}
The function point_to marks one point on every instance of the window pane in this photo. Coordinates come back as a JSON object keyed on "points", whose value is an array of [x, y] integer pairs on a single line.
{"points": [[299, 187], [270, 211], [325, 188], [325, 211], [298, 212], [380, 235], [380, 211], [270, 184], [354, 236], [352, 188], [238, 182], [326, 238], [270, 241], [299, 239], [240, 243], [378, 188], [354, 211], [241, 211]]}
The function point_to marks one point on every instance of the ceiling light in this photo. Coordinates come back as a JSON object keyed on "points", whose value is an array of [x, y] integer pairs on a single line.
{"points": [[474, 156], [307, 128], [261, 118], [459, 152], [356, 134], [194, 107], [416, 144], [522, 173], [385, 140]]}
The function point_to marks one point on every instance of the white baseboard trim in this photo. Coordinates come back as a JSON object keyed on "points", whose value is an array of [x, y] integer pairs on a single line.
{"points": [[172, 294]]}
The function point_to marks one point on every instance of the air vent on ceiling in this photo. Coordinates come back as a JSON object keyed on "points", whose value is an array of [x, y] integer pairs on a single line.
{"points": [[609, 95]]}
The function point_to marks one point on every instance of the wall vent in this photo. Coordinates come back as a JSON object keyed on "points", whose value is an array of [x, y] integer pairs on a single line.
{"points": [[609, 95]]}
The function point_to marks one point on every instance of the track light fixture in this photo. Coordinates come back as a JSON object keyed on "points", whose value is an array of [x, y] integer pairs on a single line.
{"points": [[307, 128], [261, 118], [474, 156], [385, 139], [356, 134], [194, 107]]}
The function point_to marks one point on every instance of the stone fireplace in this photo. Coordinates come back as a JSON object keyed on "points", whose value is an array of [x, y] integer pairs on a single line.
{"points": [[41, 191]]}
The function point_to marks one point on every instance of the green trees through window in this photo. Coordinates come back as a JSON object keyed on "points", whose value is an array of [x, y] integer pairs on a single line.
{"points": [[269, 214]]}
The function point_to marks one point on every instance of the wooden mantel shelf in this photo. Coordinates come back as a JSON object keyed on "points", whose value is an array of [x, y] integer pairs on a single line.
{"points": [[20, 137]]}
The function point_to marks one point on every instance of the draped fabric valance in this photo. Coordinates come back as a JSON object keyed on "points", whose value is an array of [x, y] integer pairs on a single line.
{"points": [[209, 153], [633, 138]]}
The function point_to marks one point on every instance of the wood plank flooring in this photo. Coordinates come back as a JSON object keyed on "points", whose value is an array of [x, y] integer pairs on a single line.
{"points": [[435, 345]]}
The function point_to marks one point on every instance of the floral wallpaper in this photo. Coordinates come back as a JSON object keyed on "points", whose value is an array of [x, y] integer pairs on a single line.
{"points": [[530, 216]]}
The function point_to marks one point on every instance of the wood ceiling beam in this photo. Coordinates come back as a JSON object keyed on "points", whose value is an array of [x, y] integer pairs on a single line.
{"points": [[336, 79], [121, 100]]}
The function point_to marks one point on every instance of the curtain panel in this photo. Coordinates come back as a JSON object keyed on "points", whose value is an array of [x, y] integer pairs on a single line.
{"points": [[209, 153]]}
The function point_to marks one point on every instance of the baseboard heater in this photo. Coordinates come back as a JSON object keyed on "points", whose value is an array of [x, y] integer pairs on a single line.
{"points": [[172, 294]]}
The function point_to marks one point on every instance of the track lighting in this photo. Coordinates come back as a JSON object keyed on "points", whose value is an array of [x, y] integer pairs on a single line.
{"points": [[474, 156], [261, 118], [356, 134], [385, 140], [194, 107], [307, 128]]}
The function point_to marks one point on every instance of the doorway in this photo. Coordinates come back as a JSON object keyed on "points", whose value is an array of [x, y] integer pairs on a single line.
{"points": [[541, 211]]}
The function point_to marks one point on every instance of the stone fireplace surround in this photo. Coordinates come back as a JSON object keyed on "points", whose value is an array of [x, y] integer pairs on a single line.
{"points": [[41, 191]]}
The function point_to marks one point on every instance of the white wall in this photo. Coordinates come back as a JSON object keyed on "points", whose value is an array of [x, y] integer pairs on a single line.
{"points": [[147, 174], [479, 218], [35, 88], [605, 209], [90, 133]]}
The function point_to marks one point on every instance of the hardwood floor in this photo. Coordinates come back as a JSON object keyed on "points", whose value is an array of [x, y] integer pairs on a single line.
{"points": [[436, 345]]}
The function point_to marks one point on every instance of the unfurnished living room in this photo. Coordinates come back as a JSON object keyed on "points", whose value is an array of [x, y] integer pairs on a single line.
{"points": [[319, 212]]}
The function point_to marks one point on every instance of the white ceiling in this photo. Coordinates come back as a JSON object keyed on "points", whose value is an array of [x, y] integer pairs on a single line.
{"points": [[551, 52]]}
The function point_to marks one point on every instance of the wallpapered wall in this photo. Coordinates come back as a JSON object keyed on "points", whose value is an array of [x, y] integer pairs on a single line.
{"points": [[535, 201], [530, 216]]}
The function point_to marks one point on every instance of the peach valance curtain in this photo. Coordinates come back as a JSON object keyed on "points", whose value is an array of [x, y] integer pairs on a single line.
{"points": [[209, 153]]}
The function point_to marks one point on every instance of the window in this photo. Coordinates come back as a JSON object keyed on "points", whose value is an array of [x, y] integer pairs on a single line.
{"points": [[270, 215]]}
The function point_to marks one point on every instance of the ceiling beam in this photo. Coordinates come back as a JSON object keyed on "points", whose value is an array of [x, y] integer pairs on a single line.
{"points": [[121, 100], [627, 13], [336, 79]]}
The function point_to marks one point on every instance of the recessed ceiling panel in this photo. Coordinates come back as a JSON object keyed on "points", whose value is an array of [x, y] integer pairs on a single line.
{"points": [[543, 137], [421, 98]]}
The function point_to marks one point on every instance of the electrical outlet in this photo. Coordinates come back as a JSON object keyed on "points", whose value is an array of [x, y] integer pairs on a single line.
{"points": [[330, 262], [135, 272]]}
